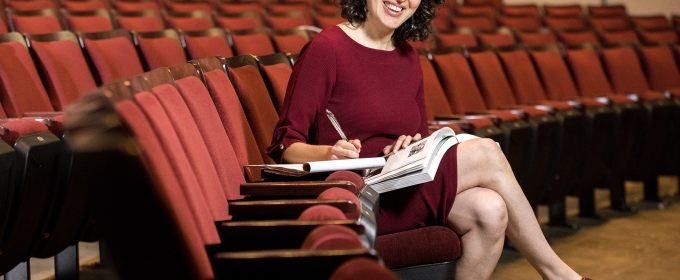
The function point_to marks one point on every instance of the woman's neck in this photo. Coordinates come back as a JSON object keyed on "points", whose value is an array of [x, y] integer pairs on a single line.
{"points": [[371, 36]]}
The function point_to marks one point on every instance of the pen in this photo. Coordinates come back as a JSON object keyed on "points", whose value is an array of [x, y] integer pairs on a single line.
{"points": [[335, 123]]}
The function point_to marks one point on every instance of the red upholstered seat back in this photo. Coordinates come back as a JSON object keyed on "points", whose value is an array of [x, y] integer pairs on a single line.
{"points": [[162, 51], [610, 10], [191, 139], [190, 23], [240, 7], [525, 23], [617, 37], [625, 70], [238, 22], [135, 6], [36, 24], [233, 117], [202, 209], [459, 83], [578, 37], [588, 73], [3, 26], [205, 46], [22, 91], [435, 98], [521, 10], [474, 10], [324, 22], [278, 76], [609, 23], [566, 10], [169, 189], [536, 38], [566, 23], [651, 22], [257, 44], [482, 23], [256, 104], [555, 75], [286, 22], [33, 5], [492, 80], [88, 23], [658, 36], [68, 74], [81, 6], [496, 39], [292, 43], [445, 40], [114, 58], [662, 71], [523, 77], [141, 23], [189, 6], [2, 113], [217, 141]]}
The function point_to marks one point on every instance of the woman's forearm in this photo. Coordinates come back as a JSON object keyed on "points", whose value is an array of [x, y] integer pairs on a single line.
{"points": [[302, 152]]}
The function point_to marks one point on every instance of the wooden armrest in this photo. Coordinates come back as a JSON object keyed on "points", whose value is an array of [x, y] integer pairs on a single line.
{"points": [[294, 188], [42, 114], [282, 209], [283, 264], [281, 234], [446, 117]]}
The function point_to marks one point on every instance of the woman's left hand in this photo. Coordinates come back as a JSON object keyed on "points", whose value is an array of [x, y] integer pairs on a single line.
{"points": [[401, 143]]}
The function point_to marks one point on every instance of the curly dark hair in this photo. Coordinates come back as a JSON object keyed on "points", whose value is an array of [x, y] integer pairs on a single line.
{"points": [[417, 28]]}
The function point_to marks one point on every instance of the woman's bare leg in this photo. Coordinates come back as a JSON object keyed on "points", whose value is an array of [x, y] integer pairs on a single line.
{"points": [[480, 217], [481, 163]]}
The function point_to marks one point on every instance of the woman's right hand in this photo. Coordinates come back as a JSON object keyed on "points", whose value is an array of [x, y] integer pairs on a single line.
{"points": [[346, 149]]}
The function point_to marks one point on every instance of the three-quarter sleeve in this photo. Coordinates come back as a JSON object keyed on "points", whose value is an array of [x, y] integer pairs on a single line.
{"points": [[308, 91]]}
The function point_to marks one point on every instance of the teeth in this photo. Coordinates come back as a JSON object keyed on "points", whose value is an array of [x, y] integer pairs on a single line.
{"points": [[393, 7]]}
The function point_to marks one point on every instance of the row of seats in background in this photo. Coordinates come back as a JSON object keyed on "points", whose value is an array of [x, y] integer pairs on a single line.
{"points": [[135, 167], [234, 16]]}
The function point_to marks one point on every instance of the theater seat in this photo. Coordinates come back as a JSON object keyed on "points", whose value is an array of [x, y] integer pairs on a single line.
{"points": [[206, 43], [160, 48], [112, 55]]}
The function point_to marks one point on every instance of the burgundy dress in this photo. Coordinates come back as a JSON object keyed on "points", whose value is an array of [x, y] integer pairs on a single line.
{"points": [[376, 96]]}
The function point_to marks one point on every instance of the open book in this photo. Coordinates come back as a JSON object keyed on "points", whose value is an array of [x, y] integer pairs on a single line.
{"points": [[411, 166], [417, 163]]}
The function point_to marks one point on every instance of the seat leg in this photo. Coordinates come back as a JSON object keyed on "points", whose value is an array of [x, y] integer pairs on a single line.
{"points": [[586, 205], [20, 272], [66, 264], [558, 216], [618, 197]]}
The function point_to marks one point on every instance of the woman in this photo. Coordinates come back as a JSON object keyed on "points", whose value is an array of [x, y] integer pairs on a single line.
{"points": [[370, 78]]}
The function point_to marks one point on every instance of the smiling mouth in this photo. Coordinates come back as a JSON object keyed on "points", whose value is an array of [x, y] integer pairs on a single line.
{"points": [[393, 8]]}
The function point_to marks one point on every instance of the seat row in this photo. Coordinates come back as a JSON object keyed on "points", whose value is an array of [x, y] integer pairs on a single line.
{"points": [[588, 89], [506, 37], [71, 65], [48, 21]]}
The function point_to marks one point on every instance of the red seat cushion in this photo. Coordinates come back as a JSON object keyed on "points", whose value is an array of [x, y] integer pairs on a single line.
{"points": [[24, 92], [418, 247], [20, 128], [362, 268], [321, 213], [88, 23], [331, 237]]}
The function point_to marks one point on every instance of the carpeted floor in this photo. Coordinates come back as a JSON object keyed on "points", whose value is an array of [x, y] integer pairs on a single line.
{"points": [[642, 245]]}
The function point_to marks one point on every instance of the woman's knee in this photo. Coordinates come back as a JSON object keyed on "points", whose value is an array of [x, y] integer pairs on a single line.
{"points": [[491, 213]]}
